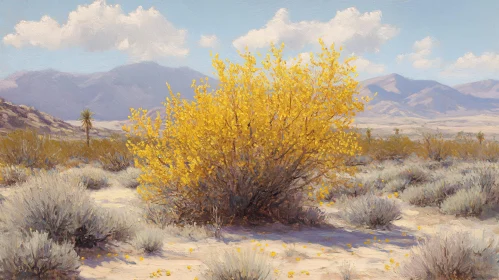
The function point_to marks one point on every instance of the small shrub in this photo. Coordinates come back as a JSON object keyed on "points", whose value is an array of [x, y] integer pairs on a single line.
{"points": [[455, 255], [432, 194], [63, 208], [372, 211], [149, 240], [10, 175], [128, 177], [92, 178], [36, 256], [29, 149], [347, 271], [158, 214], [415, 174], [486, 180], [311, 216], [397, 185], [466, 202], [244, 265]]}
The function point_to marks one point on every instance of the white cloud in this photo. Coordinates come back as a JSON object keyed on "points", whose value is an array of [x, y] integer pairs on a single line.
{"points": [[209, 41], [363, 65], [419, 57], [357, 32], [142, 34], [366, 66], [472, 65]]}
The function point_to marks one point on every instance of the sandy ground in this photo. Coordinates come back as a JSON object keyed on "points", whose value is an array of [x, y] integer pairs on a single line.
{"points": [[322, 250], [449, 126]]}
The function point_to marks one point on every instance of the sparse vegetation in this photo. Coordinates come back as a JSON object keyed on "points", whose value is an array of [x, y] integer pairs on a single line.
{"points": [[62, 208], [455, 255], [242, 264], [150, 240], [371, 211], [36, 256]]}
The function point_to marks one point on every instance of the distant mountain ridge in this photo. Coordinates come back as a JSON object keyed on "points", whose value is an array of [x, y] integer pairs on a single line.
{"points": [[108, 94], [400, 96], [142, 85]]}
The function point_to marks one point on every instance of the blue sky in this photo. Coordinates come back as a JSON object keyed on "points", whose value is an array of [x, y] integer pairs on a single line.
{"points": [[449, 41]]}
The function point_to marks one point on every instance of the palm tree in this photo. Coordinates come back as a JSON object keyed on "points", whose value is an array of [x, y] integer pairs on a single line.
{"points": [[86, 123], [480, 136]]}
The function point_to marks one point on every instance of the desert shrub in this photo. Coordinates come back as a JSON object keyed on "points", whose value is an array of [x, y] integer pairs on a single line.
{"points": [[486, 180], [435, 147], [292, 211], [372, 211], [264, 148], [91, 178], [159, 214], [128, 178], [347, 271], [114, 154], [292, 253], [466, 202], [10, 175], [415, 174], [393, 147], [150, 240], [62, 208], [312, 216], [244, 265], [36, 256], [396, 185], [29, 149], [452, 255], [431, 194]]}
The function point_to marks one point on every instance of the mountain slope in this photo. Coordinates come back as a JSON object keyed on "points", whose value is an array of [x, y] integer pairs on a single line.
{"points": [[14, 117], [109, 94], [400, 96], [484, 89]]}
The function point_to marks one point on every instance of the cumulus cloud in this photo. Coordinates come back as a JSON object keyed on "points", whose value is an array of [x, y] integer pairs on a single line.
{"points": [[420, 56], [357, 32], [366, 66], [363, 65], [142, 34], [208, 41], [470, 64]]}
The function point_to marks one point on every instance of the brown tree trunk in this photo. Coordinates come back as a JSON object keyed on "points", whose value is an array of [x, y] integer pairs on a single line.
{"points": [[87, 131]]}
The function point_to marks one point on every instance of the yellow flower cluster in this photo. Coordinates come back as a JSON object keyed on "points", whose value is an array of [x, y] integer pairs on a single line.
{"points": [[263, 116]]}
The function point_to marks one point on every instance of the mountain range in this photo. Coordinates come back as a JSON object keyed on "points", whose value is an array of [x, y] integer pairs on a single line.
{"points": [[142, 85]]}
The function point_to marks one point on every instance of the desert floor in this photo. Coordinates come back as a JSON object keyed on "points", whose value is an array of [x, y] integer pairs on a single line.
{"points": [[322, 251]]}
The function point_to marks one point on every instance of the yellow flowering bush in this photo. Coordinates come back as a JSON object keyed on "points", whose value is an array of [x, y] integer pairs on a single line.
{"points": [[256, 141]]}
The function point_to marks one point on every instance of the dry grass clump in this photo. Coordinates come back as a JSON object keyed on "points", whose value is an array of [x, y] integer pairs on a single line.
{"points": [[432, 194], [150, 240], [29, 149], [347, 271], [10, 175], [61, 207], [466, 202], [36, 256], [244, 264], [452, 255], [92, 178], [128, 178], [371, 211]]}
